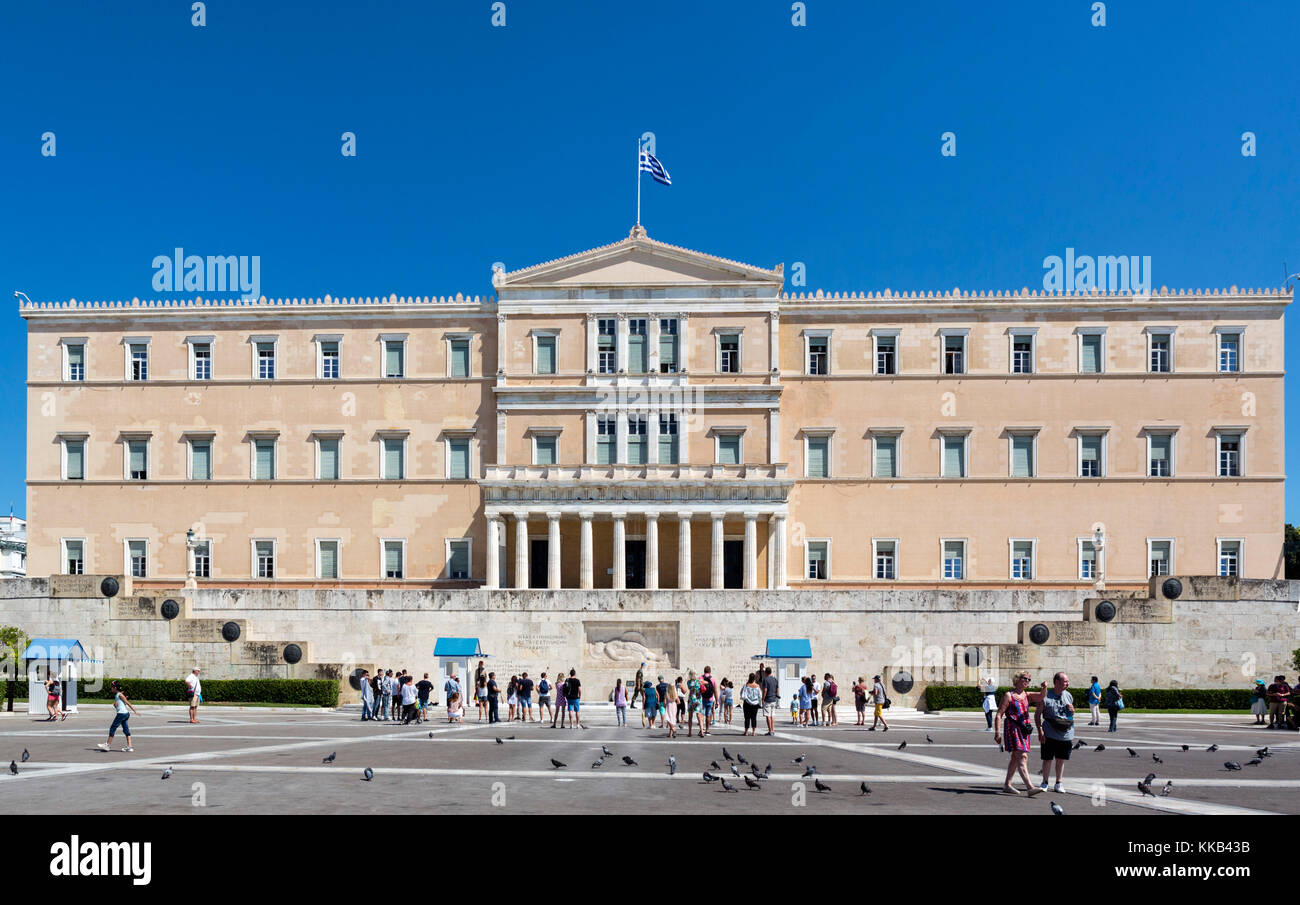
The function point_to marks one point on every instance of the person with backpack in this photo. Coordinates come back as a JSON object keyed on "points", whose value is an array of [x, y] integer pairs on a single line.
{"points": [[878, 698], [830, 697], [651, 698], [708, 699], [524, 696], [544, 699], [693, 701], [1114, 704]]}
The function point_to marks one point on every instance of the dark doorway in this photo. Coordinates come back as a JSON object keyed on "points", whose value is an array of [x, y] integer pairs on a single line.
{"points": [[635, 560], [537, 561], [733, 564]]}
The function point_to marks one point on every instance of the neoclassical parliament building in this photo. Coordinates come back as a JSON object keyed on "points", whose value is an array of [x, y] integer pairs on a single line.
{"points": [[641, 415]]}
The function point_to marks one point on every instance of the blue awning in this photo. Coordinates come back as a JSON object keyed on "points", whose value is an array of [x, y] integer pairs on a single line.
{"points": [[55, 649], [457, 647], [797, 648]]}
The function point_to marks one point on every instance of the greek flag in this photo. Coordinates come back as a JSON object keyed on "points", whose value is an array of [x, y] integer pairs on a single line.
{"points": [[650, 164]]}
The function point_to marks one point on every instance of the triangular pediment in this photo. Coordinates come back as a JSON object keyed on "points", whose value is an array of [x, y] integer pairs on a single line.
{"points": [[637, 261]]}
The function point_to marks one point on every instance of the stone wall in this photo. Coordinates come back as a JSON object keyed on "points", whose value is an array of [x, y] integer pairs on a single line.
{"points": [[1206, 638]]}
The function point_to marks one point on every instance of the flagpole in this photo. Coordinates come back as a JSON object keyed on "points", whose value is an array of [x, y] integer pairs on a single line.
{"points": [[638, 182]]}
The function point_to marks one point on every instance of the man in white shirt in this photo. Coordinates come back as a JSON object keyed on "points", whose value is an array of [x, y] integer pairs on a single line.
{"points": [[193, 690]]}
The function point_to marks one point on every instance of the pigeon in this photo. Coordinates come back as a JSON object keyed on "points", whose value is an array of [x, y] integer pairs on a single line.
{"points": [[369, 774], [928, 739], [431, 734], [1145, 789], [167, 774], [1212, 748], [13, 768], [799, 759], [728, 786], [902, 746], [753, 785], [1078, 744], [1169, 787], [511, 738], [1255, 763], [605, 751], [734, 771], [1100, 748], [1058, 810], [740, 758], [1156, 759], [631, 763], [714, 765], [727, 755], [866, 789], [1262, 752], [1186, 747], [809, 771], [754, 769], [26, 755], [820, 786], [600, 762], [1232, 765], [1150, 778], [1132, 753], [709, 777], [500, 740], [330, 759], [558, 764], [767, 769], [672, 765]]}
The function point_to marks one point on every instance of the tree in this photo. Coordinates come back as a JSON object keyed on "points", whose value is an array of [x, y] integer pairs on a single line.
{"points": [[1291, 551], [13, 641]]}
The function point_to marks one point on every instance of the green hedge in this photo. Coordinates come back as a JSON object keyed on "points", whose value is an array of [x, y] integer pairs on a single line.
{"points": [[941, 697], [320, 692]]}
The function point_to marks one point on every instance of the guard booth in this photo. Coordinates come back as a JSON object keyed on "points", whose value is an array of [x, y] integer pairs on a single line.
{"points": [[789, 658], [58, 657], [462, 656]]}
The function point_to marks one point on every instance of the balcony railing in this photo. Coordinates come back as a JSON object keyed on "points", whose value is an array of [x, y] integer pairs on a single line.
{"points": [[606, 473]]}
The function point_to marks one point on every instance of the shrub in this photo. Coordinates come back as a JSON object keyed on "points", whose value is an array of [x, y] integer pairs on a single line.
{"points": [[940, 697], [318, 692]]}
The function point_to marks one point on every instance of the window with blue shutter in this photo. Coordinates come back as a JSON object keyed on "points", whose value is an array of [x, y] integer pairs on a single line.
{"points": [[458, 466], [886, 457]]}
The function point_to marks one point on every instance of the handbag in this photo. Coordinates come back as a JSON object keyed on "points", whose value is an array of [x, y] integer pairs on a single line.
{"points": [[1119, 705]]}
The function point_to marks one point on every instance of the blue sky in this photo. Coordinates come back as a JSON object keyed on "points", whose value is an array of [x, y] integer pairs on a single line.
{"points": [[478, 144]]}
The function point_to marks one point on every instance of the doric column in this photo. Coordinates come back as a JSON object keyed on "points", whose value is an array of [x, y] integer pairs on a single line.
{"points": [[591, 343], [684, 550], [683, 341], [621, 348], [620, 438], [652, 551], [715, 569], [493, 557], [585, 565], [652, 338], [774, 342], [521, 549], [589, 458], [553, 550], [751, 550], [620, 551], [778, 554], [501, 345]]}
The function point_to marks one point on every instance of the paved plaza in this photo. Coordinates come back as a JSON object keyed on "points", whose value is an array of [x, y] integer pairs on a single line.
{"points": [[259, 761]]}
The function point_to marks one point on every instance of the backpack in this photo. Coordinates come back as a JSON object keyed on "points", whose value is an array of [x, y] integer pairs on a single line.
{"points": [[544, 687], [706, 688], [568, 689]]}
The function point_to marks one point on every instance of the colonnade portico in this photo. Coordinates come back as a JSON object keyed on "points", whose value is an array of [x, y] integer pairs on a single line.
{"points": [[618, 516]]}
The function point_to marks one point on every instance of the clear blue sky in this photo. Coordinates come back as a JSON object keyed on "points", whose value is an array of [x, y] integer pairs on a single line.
{"points": [[479, 144]]}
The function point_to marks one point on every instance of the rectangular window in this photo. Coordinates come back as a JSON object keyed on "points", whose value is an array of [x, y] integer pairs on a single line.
{"points": [[729, 449], [201, 460], [544, 449], [1229, 455], [954, 455], [76, 363], [1160, 455], [264, 552], [266, 361], [954, 354], [393, 556], [545, 354], [668, 448], [607, 345], [460, 358], [458, 559], [1160, 353], [668, 345], [1090, 455], [1229, 558], [138, 553], [74, 557], [202, 361], [1090, 353], [264, 460], [886, 456], [819, 357], [395, 358], [729, 353], [329, 360], [1022, 559], [819, 457], [817, 560], [606, 439], [886, 560], [138, 460], [886, 354], [954, 559], [1160, 556], [75, 453], [638, 440], [638, 360], [1087, 560], [203, 559], [1229, 349], [1022, 455], [394, 449], [458, 459], [328, 451], [1022, 354], [327, 559], [139, 361]]}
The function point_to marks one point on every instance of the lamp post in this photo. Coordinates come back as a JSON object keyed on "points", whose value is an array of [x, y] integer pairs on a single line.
{"points": [[1098, 546], [190, 546]]}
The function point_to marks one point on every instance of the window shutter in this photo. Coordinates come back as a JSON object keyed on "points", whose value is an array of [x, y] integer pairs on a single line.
{"points": [[886, 457], [636, 354], [1091, 352], [76, 460], [393, 449], [817, 457], [265, 460], [460, 358], [667, 448], [459, 460], [546, 355], [138, 457], [392, 559], [329, 560], [667, 352], [546, 450], [76, 355], [1159, 448], [1090, 451], [1022, 456], [329, 460], [201, 466], [393, 359], [729, 449], [953, 458], [459, 559], [137, 548]]}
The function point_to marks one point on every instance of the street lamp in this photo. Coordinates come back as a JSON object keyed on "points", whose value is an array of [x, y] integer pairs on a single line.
{"points": [[23, 295]]}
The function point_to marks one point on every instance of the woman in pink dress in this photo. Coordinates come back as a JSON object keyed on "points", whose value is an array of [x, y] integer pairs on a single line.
{"points": [[1016, 740]]}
